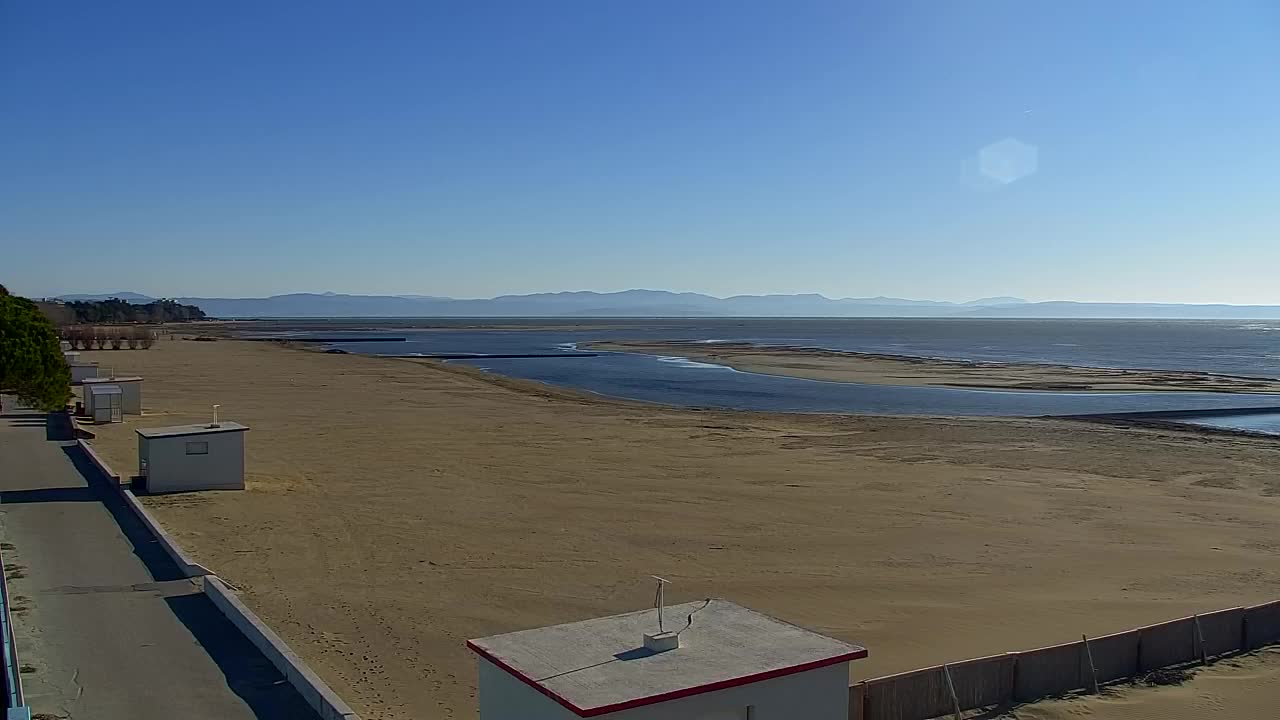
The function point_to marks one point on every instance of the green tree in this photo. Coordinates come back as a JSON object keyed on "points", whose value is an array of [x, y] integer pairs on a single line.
{"points": [[31, 362], [115, 311]]}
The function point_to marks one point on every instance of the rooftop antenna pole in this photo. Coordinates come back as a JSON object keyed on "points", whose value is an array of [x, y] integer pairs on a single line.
{"points": [[215, 416], [657, 599]]}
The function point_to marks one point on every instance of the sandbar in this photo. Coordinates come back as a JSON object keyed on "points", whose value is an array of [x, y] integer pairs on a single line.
{"points": [[881, 369]]}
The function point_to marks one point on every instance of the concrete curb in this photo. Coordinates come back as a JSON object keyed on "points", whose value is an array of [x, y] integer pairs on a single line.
{"points": [[171, 548], [99, 463], [189, 567], [309, 685]]}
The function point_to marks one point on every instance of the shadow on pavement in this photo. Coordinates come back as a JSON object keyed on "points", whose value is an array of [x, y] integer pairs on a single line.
{"points": [[59, 426], [43, 495], [145, 546], [249, 674]]}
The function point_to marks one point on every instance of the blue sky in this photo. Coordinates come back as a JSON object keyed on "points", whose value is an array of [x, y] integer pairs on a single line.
{"points": [[472, 149]]}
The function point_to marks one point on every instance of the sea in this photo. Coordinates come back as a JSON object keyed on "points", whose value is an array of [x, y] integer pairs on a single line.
{"points": [[1242, 348]]}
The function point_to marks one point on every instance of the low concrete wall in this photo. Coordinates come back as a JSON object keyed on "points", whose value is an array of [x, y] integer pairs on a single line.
{"points": [[308, 684], [189, 567], [99, 463], [314, 690], [171, 547]]}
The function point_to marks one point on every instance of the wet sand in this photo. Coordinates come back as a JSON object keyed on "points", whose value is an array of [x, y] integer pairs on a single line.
{"points": [[878, 369], [396, 508]]}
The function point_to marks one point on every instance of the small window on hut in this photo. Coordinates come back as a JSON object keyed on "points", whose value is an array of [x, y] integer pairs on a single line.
{"points": [[197, 448]]}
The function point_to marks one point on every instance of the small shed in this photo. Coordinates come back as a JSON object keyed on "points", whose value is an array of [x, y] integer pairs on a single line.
{"points": [[81, 370], [725, 662], [130, 385], [103, 403], [192, 457]]}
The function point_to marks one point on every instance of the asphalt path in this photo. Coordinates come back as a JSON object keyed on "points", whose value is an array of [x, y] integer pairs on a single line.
{"points": [[105, 625]]}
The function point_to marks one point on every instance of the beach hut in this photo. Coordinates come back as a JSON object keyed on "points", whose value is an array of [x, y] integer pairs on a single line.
{"points": [[130, 386], [710, 660], [89, 398], [192, 457], [102, 402], [82, 370]]}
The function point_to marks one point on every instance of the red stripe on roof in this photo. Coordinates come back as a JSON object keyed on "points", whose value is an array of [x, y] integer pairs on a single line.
{"points": [[672, 695]]}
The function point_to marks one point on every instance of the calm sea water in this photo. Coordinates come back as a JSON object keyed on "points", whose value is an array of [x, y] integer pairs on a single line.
{"points": [[1235, 348]]}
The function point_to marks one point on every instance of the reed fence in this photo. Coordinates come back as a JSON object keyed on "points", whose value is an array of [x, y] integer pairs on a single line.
{"points": [[1083, 665]]}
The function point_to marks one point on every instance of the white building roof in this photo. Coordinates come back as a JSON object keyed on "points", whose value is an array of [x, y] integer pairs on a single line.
{"points": [[100, 389], [197, 429], [121, 378], [600, 666]]}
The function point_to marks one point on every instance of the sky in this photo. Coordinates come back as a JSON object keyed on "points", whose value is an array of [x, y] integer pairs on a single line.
{"points": [[943, 150]]}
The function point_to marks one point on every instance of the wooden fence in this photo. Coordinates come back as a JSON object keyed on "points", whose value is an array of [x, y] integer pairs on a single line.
{"points": [[1017, 677]]}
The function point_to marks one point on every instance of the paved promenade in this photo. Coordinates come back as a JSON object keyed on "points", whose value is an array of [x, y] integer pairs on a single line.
{"points": [[107, 625]]}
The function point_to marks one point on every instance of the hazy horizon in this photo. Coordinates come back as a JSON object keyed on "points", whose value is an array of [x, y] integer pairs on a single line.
{"points": [[1084, 152], [426, 295]]}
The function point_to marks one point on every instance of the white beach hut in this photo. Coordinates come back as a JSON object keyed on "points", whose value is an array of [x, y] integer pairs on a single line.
{"points": [[103, 403], [130, 386], [725, 662], [192, 457], [81, 369]]}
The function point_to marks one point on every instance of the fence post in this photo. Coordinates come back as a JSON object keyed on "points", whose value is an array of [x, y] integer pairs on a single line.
{"points": [[1204, 657], [1093, 671], [955, 701], [1244, 631], [1013, 679], [1138, 664]]}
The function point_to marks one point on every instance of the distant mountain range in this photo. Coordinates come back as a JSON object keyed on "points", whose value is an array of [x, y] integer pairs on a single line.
{"points": [[661, 303], [132, 297]]}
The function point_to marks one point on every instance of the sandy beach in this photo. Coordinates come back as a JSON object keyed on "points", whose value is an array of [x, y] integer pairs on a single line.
{"points": [[396, 508], [877, 369]]}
